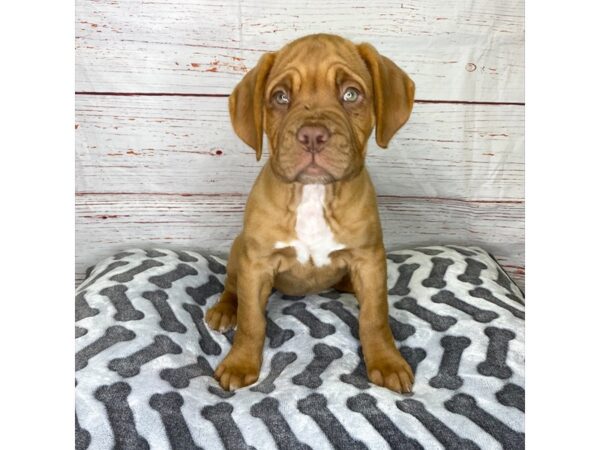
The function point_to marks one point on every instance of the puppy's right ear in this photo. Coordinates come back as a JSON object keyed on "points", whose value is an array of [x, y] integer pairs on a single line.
{"points": [[247, 101]]}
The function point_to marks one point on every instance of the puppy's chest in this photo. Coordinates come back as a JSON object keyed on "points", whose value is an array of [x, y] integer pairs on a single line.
{"points": [[314, 238]]}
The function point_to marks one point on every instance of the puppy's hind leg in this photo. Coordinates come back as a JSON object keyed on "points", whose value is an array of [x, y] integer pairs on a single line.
{"points": [[223, 315], [345, 285]]}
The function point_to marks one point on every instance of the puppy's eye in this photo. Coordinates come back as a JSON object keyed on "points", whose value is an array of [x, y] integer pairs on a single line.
{"points": [[350, 95], [281, 98]]}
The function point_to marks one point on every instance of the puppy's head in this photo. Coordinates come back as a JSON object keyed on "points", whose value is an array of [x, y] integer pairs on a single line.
{"points": [[318, 99]]}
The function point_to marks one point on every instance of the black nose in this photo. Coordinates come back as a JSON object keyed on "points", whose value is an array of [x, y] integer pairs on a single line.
{"points": [[313, 137]]}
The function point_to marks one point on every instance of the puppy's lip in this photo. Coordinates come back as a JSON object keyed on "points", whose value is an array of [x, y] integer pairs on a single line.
{"points": [[314, 169]]}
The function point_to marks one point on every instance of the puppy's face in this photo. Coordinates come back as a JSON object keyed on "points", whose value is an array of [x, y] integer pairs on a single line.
{"points": [[318, 100]]}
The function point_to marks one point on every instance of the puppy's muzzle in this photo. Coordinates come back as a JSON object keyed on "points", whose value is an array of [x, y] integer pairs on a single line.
{"points": [[313, 137]]}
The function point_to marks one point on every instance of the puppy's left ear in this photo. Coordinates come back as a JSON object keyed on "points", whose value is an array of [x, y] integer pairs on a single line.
{"points": [[394, 93], [246, 104]]}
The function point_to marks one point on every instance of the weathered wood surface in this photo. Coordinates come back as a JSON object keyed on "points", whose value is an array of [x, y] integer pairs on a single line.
{"points": [[186, 145], [108, 223], [165, 168], [460, 51]]}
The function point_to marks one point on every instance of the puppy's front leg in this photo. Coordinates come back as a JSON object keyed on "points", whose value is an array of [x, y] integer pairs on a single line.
{"points": [[385, 365], [242, 364]]}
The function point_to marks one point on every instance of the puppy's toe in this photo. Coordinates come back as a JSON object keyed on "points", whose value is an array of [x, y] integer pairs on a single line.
{"points": [[221, 317], [392, 372]]}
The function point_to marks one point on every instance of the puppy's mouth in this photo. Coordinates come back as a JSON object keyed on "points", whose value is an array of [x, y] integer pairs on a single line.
{"points": [[313, 173]]}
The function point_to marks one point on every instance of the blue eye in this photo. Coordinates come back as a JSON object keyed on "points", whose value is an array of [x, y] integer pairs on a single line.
{"points": [[281, 97], [350, 95]]}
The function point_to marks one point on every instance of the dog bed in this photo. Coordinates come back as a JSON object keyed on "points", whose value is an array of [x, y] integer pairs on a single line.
{"points": [[144, 359]]}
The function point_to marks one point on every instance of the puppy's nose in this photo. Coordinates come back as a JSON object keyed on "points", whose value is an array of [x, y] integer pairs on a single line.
{"points": [[313, 137]]}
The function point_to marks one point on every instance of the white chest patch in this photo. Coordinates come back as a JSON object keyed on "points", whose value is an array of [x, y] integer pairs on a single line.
{"points": [[314, 239]]}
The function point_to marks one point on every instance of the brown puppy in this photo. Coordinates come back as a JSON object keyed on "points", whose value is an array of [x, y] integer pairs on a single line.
{"points": [[311, 220]]}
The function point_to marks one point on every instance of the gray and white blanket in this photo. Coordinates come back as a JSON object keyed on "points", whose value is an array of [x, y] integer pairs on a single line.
{"points": [[144, 360]]}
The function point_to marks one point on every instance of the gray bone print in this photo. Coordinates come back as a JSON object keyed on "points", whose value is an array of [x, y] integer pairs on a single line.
{"points": [[145, 359]]}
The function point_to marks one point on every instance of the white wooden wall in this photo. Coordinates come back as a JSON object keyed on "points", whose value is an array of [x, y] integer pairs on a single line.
{"points": [[157, 162]]}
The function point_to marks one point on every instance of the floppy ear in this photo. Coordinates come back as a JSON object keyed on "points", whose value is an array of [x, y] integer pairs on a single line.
{"points": [[246, 104], [394, 93]]}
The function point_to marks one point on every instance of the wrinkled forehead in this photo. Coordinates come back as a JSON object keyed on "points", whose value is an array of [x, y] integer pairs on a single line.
{"points": [[316, 63]]}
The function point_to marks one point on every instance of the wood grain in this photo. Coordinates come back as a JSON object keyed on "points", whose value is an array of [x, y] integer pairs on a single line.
{"points": [[459, 51], [108, 223], [186, 145]]}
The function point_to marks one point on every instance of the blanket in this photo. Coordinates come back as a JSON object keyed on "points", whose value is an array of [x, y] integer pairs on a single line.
{"points": [[145, 358]]}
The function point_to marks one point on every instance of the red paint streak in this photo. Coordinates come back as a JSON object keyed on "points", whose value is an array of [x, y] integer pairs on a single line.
{"points": [[219, 152], [212, 69], [195, 65], [132, 152], [192, 94], [76, 125]]}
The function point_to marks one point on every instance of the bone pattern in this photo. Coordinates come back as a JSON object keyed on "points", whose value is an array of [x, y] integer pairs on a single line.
{"points": [[437, 322], [113, 335], [207, 343], [180, 377], [166, 280], [447, 376], [466, 406], [472, 272], [345, 316], [448, 438], [315, 406], [230, 434], [220, 392], [279, 362], [398, 259], [317, 328], [201, 293], [128, 275], [125, 309], [324, 355], [332, 294], [79, 331], [215, 266], [130, 366], [487, 295], [462, 251], [358, 377], [151, 253], [503, 281], [406, 272], [413, 356], [438, 272], [108, 269], [120, 416], [277, 335], [185, 256], [448, 298], [366, 405], [82, 308], [82, 436], [512, 395], [401, 330], [495, 361], [268, 411], [122, 255], [168, 321], [428, 251], [169, 407]]}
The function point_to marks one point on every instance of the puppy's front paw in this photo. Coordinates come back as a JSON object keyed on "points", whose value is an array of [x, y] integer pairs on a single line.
{"points": [[222, 316], [234, 372], [391, 371]]}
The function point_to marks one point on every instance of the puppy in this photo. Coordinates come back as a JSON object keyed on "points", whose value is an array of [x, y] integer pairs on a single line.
{"points": [[311, 220]]}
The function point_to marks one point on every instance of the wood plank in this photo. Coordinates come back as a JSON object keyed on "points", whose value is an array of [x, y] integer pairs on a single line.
{"points": [[146, 144], [465, 51], [108, 223]]}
